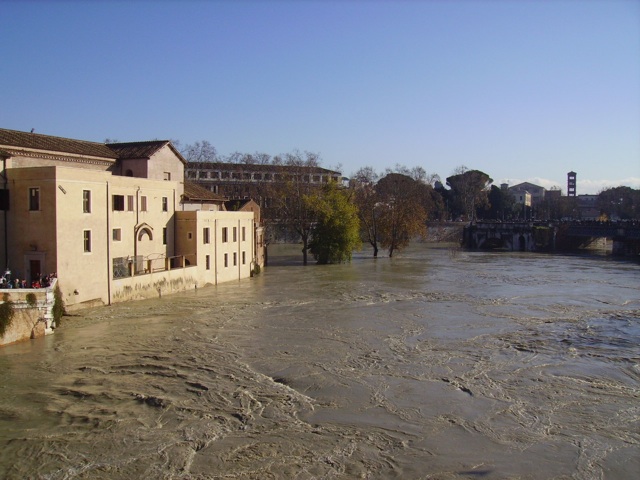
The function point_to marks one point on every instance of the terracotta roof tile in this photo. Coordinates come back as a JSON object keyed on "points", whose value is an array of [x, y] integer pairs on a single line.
{"points": [[195, 192], [36, 141], [137, 149], [142, 149], [256, 167]]}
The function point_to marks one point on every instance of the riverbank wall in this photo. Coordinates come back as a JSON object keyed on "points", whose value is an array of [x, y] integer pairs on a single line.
{"points": [[32, 313]]}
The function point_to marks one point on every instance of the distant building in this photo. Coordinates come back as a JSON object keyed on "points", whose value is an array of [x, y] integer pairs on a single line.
{"points": [[571, 184], [251, 181], [523, 198], [553, 194], [588, 207], [536, 192]]}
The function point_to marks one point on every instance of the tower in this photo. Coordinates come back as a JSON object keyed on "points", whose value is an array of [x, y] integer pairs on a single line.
{"points": [[571, 184]]}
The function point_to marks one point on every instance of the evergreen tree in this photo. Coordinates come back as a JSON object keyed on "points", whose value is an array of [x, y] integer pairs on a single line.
{"points": [[337, 230]]}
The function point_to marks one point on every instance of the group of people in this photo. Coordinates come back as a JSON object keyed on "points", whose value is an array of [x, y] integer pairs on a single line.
{"points": [[43, 281]]}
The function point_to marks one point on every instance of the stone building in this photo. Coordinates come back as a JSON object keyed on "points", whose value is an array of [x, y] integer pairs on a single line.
{"points": [[114, 221], [252, 181], [537, 193]]}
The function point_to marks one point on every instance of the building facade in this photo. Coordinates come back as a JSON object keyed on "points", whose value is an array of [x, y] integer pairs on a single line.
{"points": [[252, 181], [109, 220], [536, 193]]}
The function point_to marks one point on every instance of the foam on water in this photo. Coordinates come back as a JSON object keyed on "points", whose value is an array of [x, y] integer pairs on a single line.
{"points": [[427, 365]]}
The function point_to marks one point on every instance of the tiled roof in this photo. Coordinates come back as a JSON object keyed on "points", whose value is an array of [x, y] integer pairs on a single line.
{"points": [[137, 149], [195, 192], [256, 167], [36, 141], [235, 205], [141, 149]]}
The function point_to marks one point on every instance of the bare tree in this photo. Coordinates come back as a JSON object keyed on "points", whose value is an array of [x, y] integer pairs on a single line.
{"points": [[294, 196], [262, 158], [199, 152], [363, 183], [401, 207]]}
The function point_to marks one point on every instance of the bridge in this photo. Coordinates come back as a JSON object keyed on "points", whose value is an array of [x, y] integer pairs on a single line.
{"points": [[552, 236], [625, 235]]}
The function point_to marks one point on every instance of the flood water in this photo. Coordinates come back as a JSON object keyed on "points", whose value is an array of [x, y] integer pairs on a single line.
{"points": [[437, 363]]}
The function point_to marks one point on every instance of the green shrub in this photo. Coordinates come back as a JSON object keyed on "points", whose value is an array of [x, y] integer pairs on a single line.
{"points": [[31, 299], [58, 306], [6, 314]]}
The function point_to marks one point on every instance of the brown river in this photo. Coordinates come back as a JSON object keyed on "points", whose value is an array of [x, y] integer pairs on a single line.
{"points": [[435, 364]]}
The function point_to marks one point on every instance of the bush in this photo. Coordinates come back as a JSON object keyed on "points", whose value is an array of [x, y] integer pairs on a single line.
{"points": [[58, 306], [6, 314], [31, 299]]}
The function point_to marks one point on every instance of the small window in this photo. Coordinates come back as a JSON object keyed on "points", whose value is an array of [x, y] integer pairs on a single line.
{"points": [[129, 203], [235, 234], [118, 203], [167, 176], [143, 203], [207, 262], [165, 204], [244, 234], [226, 260], [225, 235], [235, 258], [189, 235], [117, 234], [244, 258], [205, 235], [87, 241], [86, 201], [34, 199], [164, 236]]}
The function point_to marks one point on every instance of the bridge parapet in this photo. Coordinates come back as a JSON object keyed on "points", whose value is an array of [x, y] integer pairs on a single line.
{"points": [[631, 231], [551, 236], [517, 236]]}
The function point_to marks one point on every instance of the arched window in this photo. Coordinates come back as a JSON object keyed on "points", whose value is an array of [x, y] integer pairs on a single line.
{"points": [[145, 231], [128, 173]]}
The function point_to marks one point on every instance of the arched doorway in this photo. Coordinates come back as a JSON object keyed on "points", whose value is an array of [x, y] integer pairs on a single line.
{"points": [[522, 243]]}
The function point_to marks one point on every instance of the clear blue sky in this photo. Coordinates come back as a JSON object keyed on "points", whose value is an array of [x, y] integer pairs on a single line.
{"points": [[522, 90]]}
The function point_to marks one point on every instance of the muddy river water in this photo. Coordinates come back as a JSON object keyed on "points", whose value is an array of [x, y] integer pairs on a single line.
{"points": [[437, 363]]}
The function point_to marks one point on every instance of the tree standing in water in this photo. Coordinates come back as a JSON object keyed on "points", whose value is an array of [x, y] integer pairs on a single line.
{"points": [[400, 210], [337, 231], [363, 184], [293, 196]]}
